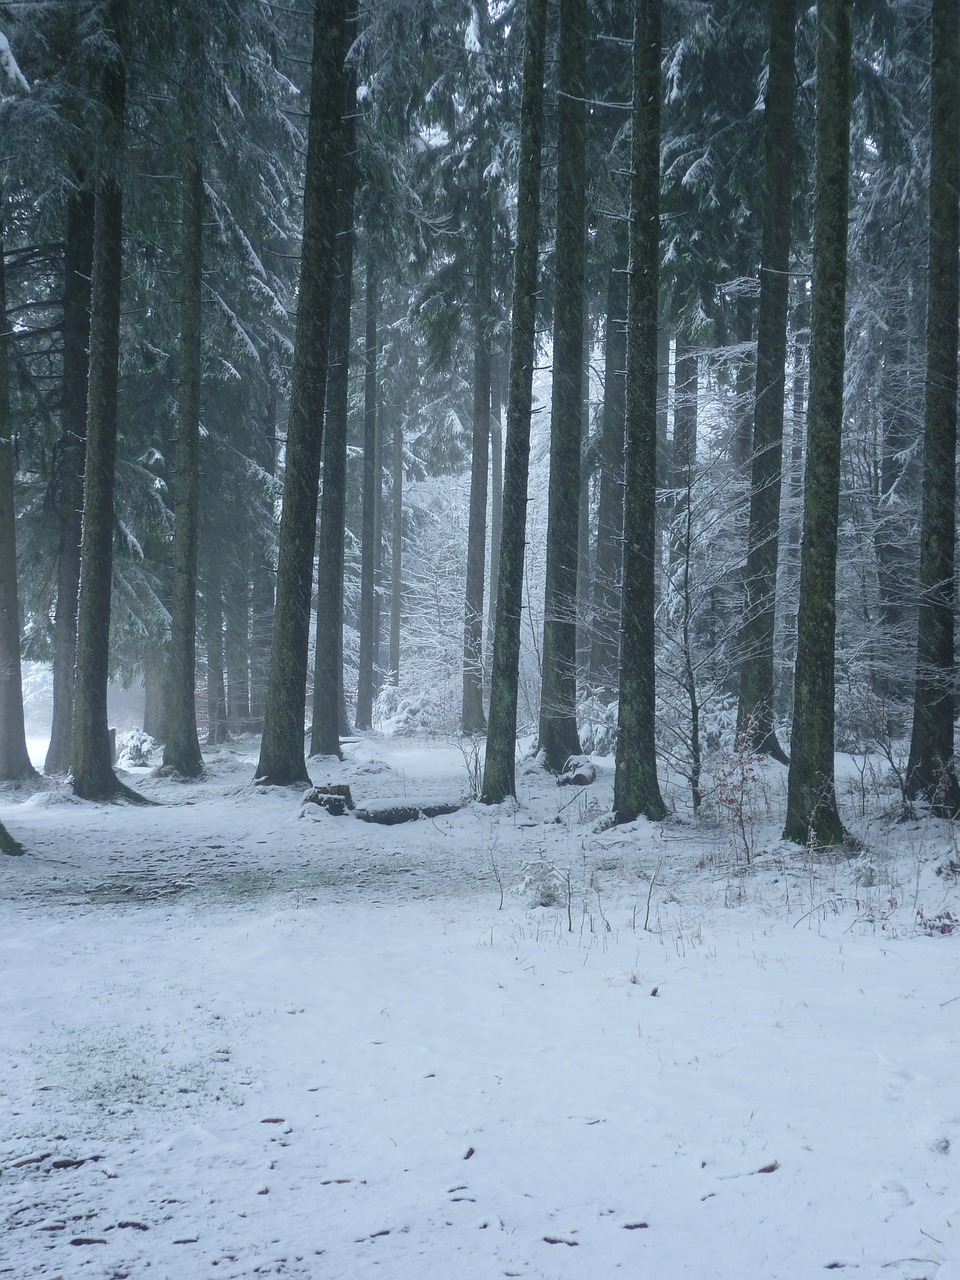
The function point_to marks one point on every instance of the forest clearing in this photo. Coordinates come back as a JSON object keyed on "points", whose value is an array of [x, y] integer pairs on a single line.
{"points": [[244, 1037]]}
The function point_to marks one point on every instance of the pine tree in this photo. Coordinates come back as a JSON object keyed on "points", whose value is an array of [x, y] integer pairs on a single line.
{"points": [[182, 748], [636, 788], [14, 759], [92, 767], [558, 736], [282, 757], [756, 705], [499, 780], [812, 811], [931, 770]]}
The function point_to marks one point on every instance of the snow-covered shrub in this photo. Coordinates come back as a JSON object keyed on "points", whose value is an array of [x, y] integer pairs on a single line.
{"points": [[408, 715], [136, 750], [597, 722]]}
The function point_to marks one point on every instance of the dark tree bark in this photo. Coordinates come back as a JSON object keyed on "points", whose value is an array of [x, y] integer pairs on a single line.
{"points": [[213, 635], [558, 736], [368, 515], [78, 264], [756, 703], [14, 758], [685, 410], [605, 648], [636, 788], [282, 758], [496, 493], [396, 551], [499, 772], [154, 696], [328, 672], [584, 566], [263, 588], [931, 770], [182, 747], [92, 766], [236, 650], [472, 718], [812, 811]]}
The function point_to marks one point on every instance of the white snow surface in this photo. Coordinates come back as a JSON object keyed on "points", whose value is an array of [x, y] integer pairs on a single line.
{"points": [[243, 1037]]}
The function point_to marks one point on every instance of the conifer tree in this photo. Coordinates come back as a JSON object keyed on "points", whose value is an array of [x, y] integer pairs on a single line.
{"points": [[636, 788], [812, 811]]}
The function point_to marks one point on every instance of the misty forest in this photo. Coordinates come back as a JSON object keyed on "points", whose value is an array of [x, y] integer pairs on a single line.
{"points": [[549, 369], [528, 427]]}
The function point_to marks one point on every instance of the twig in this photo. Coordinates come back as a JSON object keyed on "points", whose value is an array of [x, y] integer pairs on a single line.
{"points": [[653, 881]]}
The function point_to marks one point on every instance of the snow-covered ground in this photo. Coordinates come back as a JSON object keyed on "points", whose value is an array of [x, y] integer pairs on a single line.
{"points": [[242, 1037]]}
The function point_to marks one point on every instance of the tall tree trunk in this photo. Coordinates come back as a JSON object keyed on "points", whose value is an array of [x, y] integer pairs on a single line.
{"points": [[77, 264], [812, 811], [685, 410], [604, 652], [472, 719], [263, 588], [584, 567], [213, 634], [499, 772], [328, 670], [236, 650], [931, 771], [558, 736], [93, 776], [328, 673], [496, 493], [282, 758], [182, 747], [756, 703], [368, 517], [396, 551], [636, 788], [154, 696], [7, 843], [14, 758]]}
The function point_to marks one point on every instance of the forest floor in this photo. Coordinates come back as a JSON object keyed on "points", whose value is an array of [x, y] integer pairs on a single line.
{"points": [[243, 1037]]}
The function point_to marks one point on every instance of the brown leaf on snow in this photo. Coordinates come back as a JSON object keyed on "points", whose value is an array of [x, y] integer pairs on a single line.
{"points": [[635, 1226], [769, 1168], [558, 1240], [86, 1240], [21, 1164], [274, 1120]]}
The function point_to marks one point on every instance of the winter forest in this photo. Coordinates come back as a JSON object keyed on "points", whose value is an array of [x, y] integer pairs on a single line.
{"points": [[535, 420]]}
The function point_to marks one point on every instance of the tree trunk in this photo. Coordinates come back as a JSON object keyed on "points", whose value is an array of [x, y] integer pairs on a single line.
{"points": [[396, 551], [812, 811], [328, 671], [236, 650], [558, 736], [92, 766], [282, 758], [78, 264], [213, 634], [636, 788], [604, 652], [472, 719], [584, 567], [500, 760], [154, 697], [182, 747], [368, 517], [685, 408], [14, 758], [756, 703], [263, 588], [496, 494], [931, 771], [7, 843]]}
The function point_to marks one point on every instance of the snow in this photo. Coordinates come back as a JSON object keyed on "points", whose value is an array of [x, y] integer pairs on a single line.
{"points": [[8, 64], [280, 1042]]}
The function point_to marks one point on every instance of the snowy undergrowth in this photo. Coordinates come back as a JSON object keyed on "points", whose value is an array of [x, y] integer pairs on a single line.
{"points": [[244, 1037]]}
